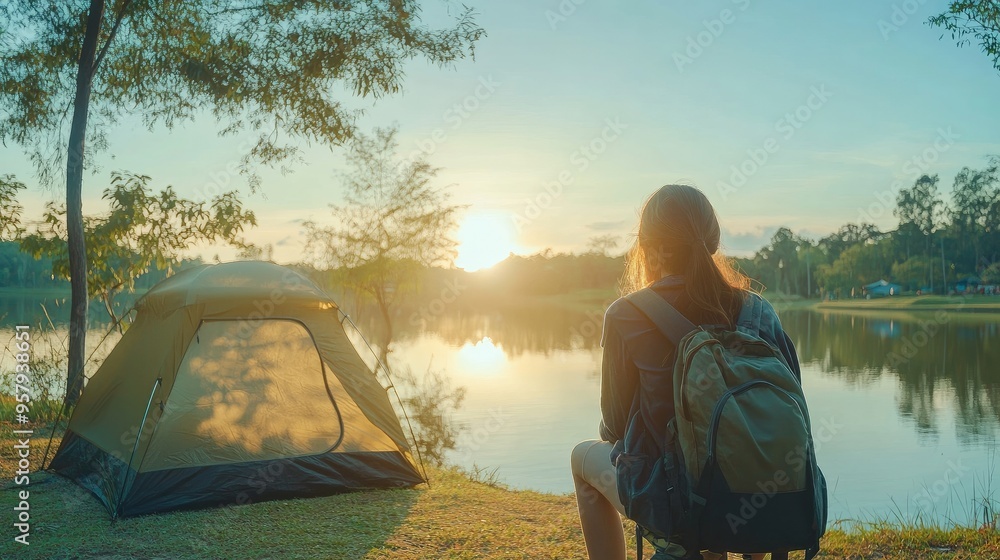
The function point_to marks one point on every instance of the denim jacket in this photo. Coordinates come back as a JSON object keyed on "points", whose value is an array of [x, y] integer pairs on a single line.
{"points": [[627, 331]]}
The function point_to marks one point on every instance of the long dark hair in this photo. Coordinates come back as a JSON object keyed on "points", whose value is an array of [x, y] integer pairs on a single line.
{"points": [[679, 234]]}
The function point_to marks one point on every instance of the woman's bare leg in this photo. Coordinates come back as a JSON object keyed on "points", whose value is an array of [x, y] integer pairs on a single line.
{"points": [[600, 509], [597, 500]]}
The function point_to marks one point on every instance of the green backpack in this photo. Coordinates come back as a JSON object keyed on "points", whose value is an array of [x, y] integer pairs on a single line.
{"points": [[734, 469]]}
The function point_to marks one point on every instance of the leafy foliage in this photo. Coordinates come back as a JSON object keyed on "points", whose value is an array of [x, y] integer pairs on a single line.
{"points": [[430, 401], [393, 221], [143, 230], [991, 275], [261, 67], [10, 217], [973, 19], [275, 71], [912, 273], [603, 244], [920, 205]]}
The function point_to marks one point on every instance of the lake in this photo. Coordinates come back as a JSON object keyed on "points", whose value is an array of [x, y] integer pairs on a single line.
{"points": [[905, 406]]}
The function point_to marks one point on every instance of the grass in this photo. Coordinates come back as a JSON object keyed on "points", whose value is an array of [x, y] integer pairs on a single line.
{"points": [[986, 304], [455, 518], [587, 300], [44, 411], [889, 542], [784, 304], [458, 516]]}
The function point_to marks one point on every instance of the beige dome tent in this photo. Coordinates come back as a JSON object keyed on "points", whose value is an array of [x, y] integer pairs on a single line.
{"points": [[236, 383]]}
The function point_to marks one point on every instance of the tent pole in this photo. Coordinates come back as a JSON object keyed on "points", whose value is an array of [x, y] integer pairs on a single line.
{"points": [[392, 385], [135, 447]]}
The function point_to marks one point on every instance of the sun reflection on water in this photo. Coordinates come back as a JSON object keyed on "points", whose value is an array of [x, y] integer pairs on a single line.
{"points": [[482, 358]]}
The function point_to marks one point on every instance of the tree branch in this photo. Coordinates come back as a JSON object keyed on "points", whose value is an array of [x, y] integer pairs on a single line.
{"points": [[119, 17], [260, 7]]}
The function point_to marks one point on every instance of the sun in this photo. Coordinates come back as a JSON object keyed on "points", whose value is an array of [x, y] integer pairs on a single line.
{"points": [[484, 239]]}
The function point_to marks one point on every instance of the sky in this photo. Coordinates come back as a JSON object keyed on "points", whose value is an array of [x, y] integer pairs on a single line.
{"points": [[808, 115]]}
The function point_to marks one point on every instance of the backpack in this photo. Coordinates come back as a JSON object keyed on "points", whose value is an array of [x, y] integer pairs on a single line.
{"points": [[728, 464]]}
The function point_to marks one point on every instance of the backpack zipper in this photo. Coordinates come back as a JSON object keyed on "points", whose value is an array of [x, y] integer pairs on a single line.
{"points": [[717, 412], [693, 352]]}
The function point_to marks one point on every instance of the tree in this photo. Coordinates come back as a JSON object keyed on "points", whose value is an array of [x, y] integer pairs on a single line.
{"points": [[603, 244], [920, 205], [847, 235], [790, 259], [143, 230], [858, 265], [784, 255], [974, 193], [260, 67], [392, 222], [811, 256], [251, 252], [919, 210], [991, 275], [979, 19], [992, 231], [912, 273], [10, 218], [431, 402]]}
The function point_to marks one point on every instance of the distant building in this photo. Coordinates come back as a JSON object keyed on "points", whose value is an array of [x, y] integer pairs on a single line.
{"points": [[882, 289]]}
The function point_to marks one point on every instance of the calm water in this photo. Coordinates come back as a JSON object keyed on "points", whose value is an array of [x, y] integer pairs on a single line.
{"points": [[905, 407]]}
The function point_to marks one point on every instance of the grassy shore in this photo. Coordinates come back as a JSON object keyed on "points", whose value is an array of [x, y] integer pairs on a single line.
{"points": [[454, 517], [979, 304], [586, 300]]}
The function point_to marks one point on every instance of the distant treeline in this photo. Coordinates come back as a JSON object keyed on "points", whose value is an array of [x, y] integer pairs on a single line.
{"points": [[937, 244], [549, 274], [20, 270], [543, 274]]}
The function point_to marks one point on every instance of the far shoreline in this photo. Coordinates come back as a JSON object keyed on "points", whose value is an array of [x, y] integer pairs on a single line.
{"points": [[593, 298]]}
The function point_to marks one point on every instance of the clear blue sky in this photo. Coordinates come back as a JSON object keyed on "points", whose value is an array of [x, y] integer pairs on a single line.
{"points": [[839, 96]]}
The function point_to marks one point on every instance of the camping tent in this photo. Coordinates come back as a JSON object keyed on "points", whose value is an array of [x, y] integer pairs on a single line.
{"points": [[235, 383]]}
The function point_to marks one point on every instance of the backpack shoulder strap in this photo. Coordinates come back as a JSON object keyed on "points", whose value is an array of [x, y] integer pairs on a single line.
{"points": [[670, 321], [750, 315]]}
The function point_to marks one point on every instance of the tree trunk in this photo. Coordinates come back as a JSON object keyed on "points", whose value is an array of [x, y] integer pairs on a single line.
{"points": [[383, 308], [74, 205]]}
